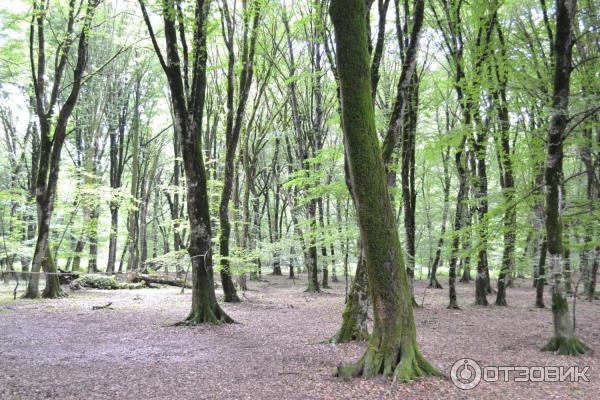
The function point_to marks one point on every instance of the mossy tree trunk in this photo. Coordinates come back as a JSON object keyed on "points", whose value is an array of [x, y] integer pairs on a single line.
{"points": [[52, 289], [392, 349], [564, 340], [354, 317]]}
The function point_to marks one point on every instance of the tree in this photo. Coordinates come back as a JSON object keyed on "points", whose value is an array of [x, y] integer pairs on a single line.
{"points": [[393, 350], [53, 128], [564, 340], [118, 112], [235, 115], [187, 102]]}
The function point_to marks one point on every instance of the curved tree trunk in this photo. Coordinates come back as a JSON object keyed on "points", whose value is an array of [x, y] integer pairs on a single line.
{"points": [[393, 349]]}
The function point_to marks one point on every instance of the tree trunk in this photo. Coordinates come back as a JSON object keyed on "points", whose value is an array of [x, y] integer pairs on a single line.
{"points": [[52, 289], [433, 282], [310, 255], [355, 315], [459, 160], [135, 277], [541, 276], [507, 181], [112, 243], [76, 263], [52, 141], [564, 340], [188, 110], [133, 215], [235, 117], [93, 241], [393, 349]]}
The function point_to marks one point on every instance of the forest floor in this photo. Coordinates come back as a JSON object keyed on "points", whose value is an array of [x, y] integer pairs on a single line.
{"points": [[63, 349]]}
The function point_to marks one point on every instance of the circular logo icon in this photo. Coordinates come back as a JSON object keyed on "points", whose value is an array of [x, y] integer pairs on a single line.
{"points": [[465, 373]]}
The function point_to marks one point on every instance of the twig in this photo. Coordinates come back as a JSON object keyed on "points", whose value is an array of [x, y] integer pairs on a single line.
{"points": [[106, 307]]}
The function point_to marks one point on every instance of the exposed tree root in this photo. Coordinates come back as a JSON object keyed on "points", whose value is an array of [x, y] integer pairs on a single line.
{"points": [[30, 295], [501, 301], [570, 346], [231, 298], [401, 366], [54, 294], [207, 315], [312, 288], [481, 301], [453, 306], [415, 304], [434, 284]]}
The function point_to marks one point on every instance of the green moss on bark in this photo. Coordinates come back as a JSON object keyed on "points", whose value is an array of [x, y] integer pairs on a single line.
{"points": [[52, 289], [392, 350], [559, 304], [354, 317], [404, 365], [571, 346]]}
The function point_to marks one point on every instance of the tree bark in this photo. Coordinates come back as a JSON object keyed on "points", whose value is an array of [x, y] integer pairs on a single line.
{"points": [[355, 314]]}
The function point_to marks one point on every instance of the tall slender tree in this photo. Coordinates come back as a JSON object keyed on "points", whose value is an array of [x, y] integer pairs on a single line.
{"points": [[53, 117], [393, 349], [564, 340], [187, 102], [251, 18]]}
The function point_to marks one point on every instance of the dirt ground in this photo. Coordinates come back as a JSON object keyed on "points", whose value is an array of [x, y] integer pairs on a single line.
{"points": [[63, 349]]}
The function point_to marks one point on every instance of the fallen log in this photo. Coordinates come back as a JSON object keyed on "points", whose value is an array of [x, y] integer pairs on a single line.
{"points": [[135, 277], [97, 281], [65, 277]]}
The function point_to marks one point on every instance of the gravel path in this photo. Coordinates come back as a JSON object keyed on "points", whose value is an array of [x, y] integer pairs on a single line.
{"points": [[62, 349]]}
